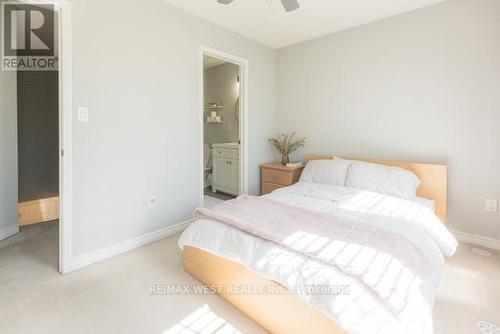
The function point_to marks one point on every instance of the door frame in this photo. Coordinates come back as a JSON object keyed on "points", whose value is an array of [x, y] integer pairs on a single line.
{"points": [[63, 9], [65, 137], [243, 123]]}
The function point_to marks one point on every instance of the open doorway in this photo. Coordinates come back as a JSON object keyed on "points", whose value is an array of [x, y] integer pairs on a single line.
{"points": [[38, 160], [32, 107], [222, 131]]}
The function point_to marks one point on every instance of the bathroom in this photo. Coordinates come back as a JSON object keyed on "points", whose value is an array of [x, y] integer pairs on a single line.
{"points": [[221, 130]]}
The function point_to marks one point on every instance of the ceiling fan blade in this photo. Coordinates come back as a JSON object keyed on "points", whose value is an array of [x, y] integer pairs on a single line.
{"points": [[290, 5], [225, 2]]}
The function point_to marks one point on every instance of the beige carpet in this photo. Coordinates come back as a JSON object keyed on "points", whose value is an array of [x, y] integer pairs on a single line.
{"points": [[114, 296]]}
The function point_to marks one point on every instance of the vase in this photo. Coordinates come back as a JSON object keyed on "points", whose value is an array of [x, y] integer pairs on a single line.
{"points": [[285, 158]]}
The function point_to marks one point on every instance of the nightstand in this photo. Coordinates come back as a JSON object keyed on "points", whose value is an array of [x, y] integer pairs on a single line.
{"points": [[275, 175]]}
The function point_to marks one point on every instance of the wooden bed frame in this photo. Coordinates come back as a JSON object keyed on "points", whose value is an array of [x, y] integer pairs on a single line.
{"points": [[285, 313]]}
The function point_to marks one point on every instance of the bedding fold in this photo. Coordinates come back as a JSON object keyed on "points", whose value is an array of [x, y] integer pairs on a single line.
{"points": [[389, 251], [360, 250]]}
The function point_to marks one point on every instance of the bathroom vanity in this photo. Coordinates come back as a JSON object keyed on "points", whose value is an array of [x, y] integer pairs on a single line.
{"points": [[226, 168]]}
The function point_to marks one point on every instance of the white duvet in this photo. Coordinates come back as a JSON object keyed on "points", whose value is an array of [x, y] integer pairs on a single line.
{"points": [[360, 310]]}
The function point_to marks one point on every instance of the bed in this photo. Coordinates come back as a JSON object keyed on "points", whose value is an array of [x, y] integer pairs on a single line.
{"points": [[379, 276]]}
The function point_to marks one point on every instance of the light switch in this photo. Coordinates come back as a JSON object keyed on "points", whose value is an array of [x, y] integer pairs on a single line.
{"points": [[83, 114], [491, 205]]}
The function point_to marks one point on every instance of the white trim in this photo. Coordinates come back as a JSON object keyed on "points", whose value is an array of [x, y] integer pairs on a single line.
{"points": [[243, 64], [477, 240], [125, 246], [9, 231], [66, 138]]}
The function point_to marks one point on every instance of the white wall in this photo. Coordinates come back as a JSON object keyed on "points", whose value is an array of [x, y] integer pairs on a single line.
{"points": [[8, 154], [135, 66], [423, 86]]}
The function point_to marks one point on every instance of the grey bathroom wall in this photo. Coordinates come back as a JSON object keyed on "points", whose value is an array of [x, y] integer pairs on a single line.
{"points": [[221, 85]]}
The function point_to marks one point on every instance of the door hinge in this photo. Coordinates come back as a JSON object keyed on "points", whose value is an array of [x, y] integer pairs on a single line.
{"points": [[62, 152]]}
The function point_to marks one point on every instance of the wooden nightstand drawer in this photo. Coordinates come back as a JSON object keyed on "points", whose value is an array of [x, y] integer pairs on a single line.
{"points": [[267, 188], [274, 176], [277, 177]]}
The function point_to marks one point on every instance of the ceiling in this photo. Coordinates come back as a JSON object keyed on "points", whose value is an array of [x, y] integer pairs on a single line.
{"points": [[209, 62], [313, 19]]}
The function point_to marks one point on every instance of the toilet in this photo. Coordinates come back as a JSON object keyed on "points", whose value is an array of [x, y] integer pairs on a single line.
{"points": [[207, 164]]}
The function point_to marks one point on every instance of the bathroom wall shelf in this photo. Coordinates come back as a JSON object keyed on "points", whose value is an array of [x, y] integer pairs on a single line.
{"points": [[214, 106], [215, 120], [214, 110]]}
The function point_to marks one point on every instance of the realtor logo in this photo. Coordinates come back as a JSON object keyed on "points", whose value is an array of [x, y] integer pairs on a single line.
{"points": [[28, 37]]}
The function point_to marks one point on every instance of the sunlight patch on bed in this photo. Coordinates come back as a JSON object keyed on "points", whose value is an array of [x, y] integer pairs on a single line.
{"points": [[306, 241], [384, 273], [383, 205], [361, 201], [279, 259], [202, 321]]}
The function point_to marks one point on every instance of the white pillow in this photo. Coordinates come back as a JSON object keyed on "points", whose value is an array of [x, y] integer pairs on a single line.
{"points": [[331, 171], [392, 181]]}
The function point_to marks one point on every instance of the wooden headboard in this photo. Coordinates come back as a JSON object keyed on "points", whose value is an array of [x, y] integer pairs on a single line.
{"points": [[432, 179]]}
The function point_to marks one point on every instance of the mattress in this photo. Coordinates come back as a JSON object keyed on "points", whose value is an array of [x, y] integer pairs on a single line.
{"points": [[348, 301]]}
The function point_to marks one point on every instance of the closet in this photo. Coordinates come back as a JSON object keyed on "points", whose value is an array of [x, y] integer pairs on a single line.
{"points": [[38, 146]]}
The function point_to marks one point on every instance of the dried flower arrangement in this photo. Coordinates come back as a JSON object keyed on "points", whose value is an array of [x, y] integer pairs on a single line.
{"points": [[285, 144]]}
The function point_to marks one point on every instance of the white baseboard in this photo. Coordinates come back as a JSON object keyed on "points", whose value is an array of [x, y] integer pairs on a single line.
{"points": [[477, 240], [124, 246], [9, 231]]}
